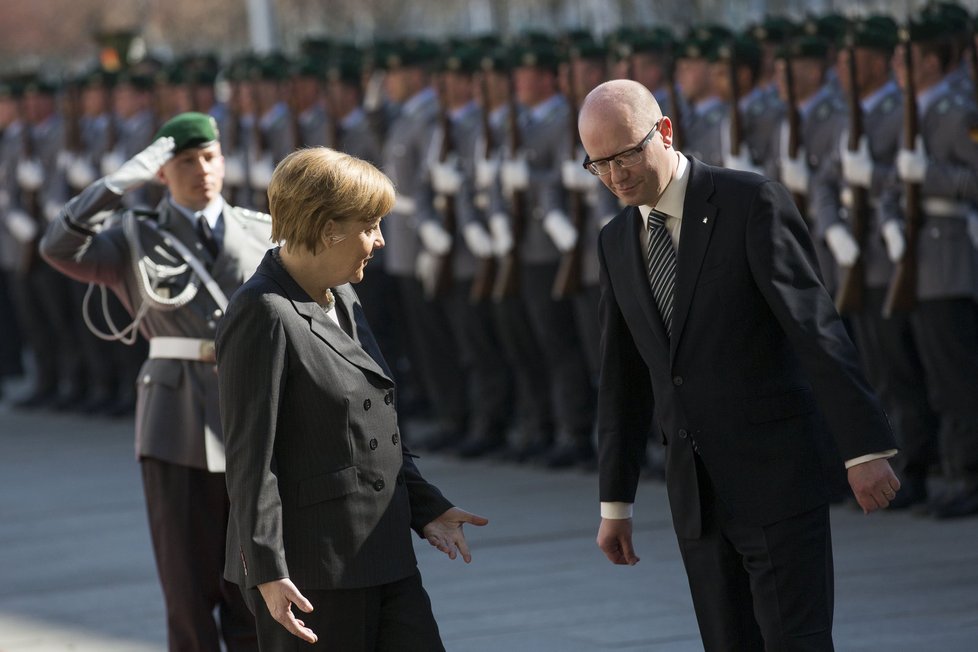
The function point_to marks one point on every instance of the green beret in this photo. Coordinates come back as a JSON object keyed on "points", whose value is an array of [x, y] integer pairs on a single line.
{"points": [[463, 59], [955, 16], [773, 30], [804, 47], [346, 69], [536, 52], [741, 51], [41, 85], [929, 26], [190, 129], [410, 53], [874, 33]]}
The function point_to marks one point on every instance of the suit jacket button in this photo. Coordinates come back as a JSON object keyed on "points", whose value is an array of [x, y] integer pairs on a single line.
{"points": [[682, 433], [677, 381], [366, 404], [389, 398], [394, 438], [373, 444], [379, 484]]}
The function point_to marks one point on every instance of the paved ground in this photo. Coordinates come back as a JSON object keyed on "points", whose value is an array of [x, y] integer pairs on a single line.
{"points": [[76, 571]]}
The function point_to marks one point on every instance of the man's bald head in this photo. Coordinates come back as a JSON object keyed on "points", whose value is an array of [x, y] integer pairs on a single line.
{"points": [[621, 101]]}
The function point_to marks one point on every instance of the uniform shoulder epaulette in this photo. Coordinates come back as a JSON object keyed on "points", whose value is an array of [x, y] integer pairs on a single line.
{"points": [[256, 216], [145, 213]]}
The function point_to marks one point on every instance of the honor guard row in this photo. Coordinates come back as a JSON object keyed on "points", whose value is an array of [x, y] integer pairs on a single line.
{"points": [[485, 299]]}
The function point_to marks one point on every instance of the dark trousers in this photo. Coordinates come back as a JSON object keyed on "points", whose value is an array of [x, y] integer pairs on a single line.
{"points": [[10, 336], [572, 395], [393, 617], [760, 588], [889, 353], [947, 333], [188, 517], [489, 384]]}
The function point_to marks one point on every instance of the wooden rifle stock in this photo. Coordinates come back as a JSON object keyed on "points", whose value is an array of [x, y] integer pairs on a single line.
{"points": [[257, 149], [850, 295], [485, 273], [675, 108], [508, 279], [901, 296], [445, 203], [568, 280], [794, 129], [736, 129], [31, 202]]}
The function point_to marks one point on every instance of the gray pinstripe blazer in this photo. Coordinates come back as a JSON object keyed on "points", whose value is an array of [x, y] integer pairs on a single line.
{"points": [[322, 489]]}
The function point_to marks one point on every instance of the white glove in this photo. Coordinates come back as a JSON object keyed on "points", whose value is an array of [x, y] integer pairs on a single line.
{"points": [[893, 239], [740, 162], [794, 173], [445, 178], [260, 173], [857, 167], [575, 177], [502, 235], [560, 230], [21, 226], [30, 175], [912, 166], [486, 170], [425, 269], [843, 246], [234, 170], [79, 172], [477, 239], [435, 238], [52, 209], [514, 174], [142, 167], [111, 161]]}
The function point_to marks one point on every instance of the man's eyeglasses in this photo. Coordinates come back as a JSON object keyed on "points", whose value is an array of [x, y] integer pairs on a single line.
{"points": [[623, 159]]}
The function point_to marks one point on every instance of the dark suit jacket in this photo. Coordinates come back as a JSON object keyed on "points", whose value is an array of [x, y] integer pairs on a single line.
{"points": [[758, 356], [322, 489]]}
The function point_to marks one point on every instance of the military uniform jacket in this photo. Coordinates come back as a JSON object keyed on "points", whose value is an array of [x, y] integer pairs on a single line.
{"points": [[48, 138], [312, 128], [542, 133], [177, 418], [701, 138], [405, 155], [882, 122], [356, 138], [322, 489], [947, 258], [10, 198], [761, 116]]}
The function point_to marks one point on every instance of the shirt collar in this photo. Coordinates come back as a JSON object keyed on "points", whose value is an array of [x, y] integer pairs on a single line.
{"points": [[461, 112], [353, 118], [212, 211], [672, 200], [927, 97], [876, 97], [415, 101], [544, 108]]}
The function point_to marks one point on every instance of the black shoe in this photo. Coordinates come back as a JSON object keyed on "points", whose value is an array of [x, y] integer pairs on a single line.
{"points": [[524, 453], [566, 456], [70, 401], [37, 399], [123, 406], [956, 505], [480, 445], [442, 441]]}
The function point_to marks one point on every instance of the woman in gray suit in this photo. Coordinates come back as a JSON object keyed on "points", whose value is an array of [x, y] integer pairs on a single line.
{"points": [[324, 494]]}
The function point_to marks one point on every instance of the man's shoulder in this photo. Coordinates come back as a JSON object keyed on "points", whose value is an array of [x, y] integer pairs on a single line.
{"points": [[249, 215]]}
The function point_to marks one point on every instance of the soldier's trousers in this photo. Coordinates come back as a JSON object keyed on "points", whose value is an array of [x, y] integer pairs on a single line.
{"points": [[10, 338], [188, 517]]}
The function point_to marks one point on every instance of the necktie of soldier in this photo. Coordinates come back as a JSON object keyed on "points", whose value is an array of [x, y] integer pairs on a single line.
{"points": [[206, 235], [662, 267]]}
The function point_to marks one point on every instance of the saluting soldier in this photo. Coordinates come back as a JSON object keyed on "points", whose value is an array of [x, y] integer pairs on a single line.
{"points": [[173, 269], [532, 173], [135, 123], [944, 162], [430, 344], [886, 344]]}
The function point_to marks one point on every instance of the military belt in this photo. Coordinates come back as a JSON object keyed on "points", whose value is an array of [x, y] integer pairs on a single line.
{"points": [[941, 207], [182, 348]]}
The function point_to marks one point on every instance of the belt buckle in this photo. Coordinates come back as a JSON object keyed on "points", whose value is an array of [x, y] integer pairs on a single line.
{"points": [[207, 351]]}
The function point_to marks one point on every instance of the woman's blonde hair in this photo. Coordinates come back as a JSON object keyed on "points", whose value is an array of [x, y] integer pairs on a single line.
{"points": [[314, 185]]}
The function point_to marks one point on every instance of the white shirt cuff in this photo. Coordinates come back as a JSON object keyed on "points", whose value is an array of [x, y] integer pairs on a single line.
{"points": [[862, 459], [617, 511]]}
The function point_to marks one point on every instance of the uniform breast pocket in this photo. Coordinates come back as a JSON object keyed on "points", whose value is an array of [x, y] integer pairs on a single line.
{"points": [[329, 486]]}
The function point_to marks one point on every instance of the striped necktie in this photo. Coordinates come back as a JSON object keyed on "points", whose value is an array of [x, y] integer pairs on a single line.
{"points": [[662, 267]]}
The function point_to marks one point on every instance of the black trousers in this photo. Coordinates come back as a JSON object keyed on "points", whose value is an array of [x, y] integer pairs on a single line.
{"points": [[188, 518], [947, 333], [393, 617], [760, 588], [891, 358]]}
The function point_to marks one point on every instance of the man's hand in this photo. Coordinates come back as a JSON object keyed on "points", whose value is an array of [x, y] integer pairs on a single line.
{"points": [[142, 167], [445, 532], [615, 540], [874, 484], [279, 596]]}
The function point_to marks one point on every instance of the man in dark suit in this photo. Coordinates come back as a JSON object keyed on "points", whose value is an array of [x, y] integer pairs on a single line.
{"points": [[735, 345]]}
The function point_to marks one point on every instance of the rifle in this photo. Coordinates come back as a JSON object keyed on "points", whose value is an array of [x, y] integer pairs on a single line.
{"points": [[973, 54], [675, 109], [901, 296], [849, 296], [31, 202], [446, 204], [257, 148], [736, 129], [794, 128], [485, 274], [508, 279], [568, 279]]}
